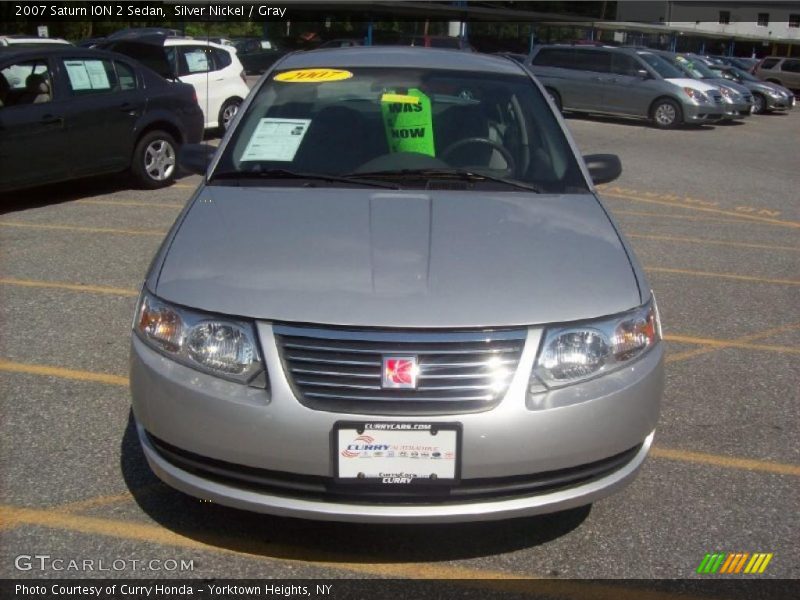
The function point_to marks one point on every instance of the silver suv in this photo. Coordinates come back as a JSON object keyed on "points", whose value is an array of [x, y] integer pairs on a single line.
{"points": [[780, 70], [624, 81]]}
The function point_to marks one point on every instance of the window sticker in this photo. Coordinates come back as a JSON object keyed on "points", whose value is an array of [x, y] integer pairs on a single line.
{"points": [[313, 76], [400, 98], [276, 139], [408, 124], [87, 75], [197, 61]]}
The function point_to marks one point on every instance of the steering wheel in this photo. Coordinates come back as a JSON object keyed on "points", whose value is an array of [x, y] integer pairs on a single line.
{"points": [[511, 164]]}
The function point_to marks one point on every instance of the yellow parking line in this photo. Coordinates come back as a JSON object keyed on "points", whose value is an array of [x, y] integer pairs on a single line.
{"points": [[246, 546], [744, 339], [686, 339], [74, 287], [256, 549], [658, 216], [131, 203], [752, 464], [47, 371], [100, 501], [732, 276], [718, 211], [183, 186], [155, 232], [728, 462], [690, 240]]}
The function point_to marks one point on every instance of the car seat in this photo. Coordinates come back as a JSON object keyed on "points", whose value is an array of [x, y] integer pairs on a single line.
{"points": [[335, 142], [37, 90]]}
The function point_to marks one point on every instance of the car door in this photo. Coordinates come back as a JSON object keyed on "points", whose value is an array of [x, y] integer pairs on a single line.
{"points": [[102, 115], [594, 77], [33, 141], [196, 67], [628, 92]]}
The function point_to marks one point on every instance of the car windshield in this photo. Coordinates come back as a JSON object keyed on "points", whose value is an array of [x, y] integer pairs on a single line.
{"points": [[744, 74], [661, 66], [403, 127], [696, 68]]}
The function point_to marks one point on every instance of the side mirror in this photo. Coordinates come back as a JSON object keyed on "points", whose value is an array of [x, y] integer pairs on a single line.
{"points": [[643, 73], [603, 168], [195, 158]]}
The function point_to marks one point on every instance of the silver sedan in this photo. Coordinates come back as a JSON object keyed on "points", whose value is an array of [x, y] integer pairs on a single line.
{"points": [[396, 297]]}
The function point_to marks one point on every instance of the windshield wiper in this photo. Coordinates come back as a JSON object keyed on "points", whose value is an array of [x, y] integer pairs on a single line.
{"points": [[462, 174], [287, 174]]}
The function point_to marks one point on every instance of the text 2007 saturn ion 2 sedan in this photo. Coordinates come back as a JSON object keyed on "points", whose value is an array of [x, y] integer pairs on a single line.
{"points": [[396, 297]]}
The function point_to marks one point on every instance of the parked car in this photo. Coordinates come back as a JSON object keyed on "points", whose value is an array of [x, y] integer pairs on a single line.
{"points": [[624, 81], [745, 64], [767, 96], [737, 99], [23, 41], [781, 70], [399, 263], [256, 55], [68, 112], [214, 70], [341, 43]]}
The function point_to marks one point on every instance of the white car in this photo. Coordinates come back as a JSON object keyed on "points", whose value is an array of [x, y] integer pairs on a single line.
{"points": [[28, 40], [216, 74], [212, 69]]}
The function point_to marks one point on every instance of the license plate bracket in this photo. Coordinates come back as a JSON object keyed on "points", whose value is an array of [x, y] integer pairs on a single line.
{"points": [[408, 453]]}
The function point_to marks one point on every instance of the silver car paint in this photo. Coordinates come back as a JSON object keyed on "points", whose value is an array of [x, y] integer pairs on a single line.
{"points": [[245, 424], [272, 430], [398, 259]]}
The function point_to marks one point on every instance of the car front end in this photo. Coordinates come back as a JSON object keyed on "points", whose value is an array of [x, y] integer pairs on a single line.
{"points": [[389, 335]]}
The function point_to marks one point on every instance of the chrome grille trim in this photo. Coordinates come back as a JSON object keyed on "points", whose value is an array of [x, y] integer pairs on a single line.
{"points": [[339, 370]]}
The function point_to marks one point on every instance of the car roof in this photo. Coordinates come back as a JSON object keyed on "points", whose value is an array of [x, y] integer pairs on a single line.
{"points": [[400, 57], [57, 50], [187, 41]]}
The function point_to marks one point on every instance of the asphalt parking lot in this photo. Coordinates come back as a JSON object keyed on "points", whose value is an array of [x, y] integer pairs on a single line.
{"points": [[714, 216]]}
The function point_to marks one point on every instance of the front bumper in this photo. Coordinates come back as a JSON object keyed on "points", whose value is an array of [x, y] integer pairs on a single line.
{"points": [[703, 113], [778, 103], [239, 446], [738, 110]]}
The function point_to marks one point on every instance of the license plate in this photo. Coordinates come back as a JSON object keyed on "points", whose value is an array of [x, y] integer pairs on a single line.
{"points": [[397, 453]]}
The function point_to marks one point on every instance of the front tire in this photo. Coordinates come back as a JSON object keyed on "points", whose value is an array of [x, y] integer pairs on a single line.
{"points": [[759, 104], [155, 160], [666, 114], [227, 114]]}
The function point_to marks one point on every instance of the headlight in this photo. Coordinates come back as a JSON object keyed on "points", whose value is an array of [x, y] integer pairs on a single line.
{"points": [[730, 95], [696, 95], [223, 347], [574, 353], [775, 93]]}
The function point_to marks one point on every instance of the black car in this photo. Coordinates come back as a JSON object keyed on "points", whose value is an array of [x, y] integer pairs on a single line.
{"points": [[256, 55], [68, 112]]}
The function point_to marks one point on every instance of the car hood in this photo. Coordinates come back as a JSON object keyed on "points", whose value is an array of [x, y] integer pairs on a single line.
{"points": [[692, 83], [729, 84], [398, 259], [764, 86]]}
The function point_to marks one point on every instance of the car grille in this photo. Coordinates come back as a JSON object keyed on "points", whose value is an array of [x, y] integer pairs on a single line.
{"points": [[340, 370], [318, 487], [716, 97]]}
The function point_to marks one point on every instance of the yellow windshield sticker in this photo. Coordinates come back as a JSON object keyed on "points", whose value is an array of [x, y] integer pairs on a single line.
{"points": [[403, 98], [409, 125], [313, 76]]}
